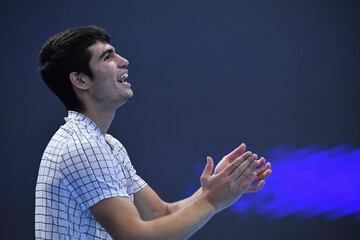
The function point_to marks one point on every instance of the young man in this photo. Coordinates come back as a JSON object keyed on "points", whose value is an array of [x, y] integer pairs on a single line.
{"points": [[87, 187]]}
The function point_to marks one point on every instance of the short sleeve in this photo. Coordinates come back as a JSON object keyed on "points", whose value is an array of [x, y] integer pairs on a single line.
{"points": [[138, 182], [119, 150], [90, 173]]}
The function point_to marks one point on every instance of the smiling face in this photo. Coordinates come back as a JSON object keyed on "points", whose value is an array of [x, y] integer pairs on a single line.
{"points": [[108, 87]]}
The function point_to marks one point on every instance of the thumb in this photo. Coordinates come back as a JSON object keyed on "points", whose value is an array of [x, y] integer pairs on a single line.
{"points": [[209, 167]]}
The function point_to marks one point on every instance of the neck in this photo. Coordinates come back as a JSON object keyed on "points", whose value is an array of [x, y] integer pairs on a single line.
{"points": [[102, 119]]}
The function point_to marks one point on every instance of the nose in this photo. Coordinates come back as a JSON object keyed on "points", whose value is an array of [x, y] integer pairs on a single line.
{"points": [[122, 62]]}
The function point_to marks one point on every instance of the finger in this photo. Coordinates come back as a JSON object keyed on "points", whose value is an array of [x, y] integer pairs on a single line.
{"points": [[231, 167], [261, 162], [237, 152], [245, 184], [207, 171], [257, 187], [263, 169], [246, 169], [263, 175], [209, 167]]}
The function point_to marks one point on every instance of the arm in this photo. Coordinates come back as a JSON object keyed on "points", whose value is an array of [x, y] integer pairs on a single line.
{"points": [[121, 219], [151, 206], [175, 206]]}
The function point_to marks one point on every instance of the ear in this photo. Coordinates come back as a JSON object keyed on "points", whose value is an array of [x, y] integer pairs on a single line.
{"points": [[79, 80]]}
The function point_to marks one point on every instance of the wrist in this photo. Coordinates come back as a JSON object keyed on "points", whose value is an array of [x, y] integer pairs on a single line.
{"points": [[204, 201]]}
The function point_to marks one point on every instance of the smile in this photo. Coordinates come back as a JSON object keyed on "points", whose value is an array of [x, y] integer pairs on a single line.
{"points": [[123, 77]]}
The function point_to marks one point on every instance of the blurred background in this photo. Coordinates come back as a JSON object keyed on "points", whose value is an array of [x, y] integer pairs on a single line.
{"points": [[281, 76]]}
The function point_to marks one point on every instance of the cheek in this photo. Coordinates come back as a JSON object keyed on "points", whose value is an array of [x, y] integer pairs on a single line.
{"points": [[104, 76], [104, 69], [102, 73]]}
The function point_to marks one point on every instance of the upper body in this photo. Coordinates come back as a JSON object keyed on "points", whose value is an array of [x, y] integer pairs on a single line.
{"points": [[79, 168], [84, 71]]}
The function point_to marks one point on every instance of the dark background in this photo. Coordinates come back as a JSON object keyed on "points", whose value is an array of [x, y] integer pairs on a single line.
{"points": [[207, 75]]}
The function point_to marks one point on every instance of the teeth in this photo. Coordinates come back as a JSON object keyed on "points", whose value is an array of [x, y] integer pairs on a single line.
{"points": [[123, 77]]}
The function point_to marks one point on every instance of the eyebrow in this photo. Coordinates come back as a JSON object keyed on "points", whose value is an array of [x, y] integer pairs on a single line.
{"points": [[111, 50]]}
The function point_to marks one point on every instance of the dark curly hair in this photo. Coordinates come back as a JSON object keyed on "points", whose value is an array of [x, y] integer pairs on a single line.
{"points": [[68, 52]]}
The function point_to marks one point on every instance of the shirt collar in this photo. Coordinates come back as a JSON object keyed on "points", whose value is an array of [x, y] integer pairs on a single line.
{"points": [[86, 121]]}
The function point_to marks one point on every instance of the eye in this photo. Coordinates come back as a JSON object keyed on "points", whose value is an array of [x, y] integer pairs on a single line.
{"points": [[107, 57]]}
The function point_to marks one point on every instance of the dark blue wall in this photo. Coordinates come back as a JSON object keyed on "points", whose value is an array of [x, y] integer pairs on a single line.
{"points": [[207, 75]]}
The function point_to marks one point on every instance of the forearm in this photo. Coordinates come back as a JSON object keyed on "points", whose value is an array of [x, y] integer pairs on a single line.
{"points": [[121, 219], [181, 224], [151, 206], [175, 206]]}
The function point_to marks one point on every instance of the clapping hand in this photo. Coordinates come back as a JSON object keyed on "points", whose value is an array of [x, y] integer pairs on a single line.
{"points": [[263, 169]]}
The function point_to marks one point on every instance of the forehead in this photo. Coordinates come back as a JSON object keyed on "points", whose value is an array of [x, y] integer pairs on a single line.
{"points": [[99, 48]]}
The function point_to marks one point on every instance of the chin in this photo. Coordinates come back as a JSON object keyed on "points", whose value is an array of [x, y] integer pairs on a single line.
{"points": [[124, 99]]}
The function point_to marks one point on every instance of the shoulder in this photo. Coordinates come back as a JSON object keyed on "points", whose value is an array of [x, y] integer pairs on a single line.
{"points": [[84, 152], [116, 143], [85, 144]]}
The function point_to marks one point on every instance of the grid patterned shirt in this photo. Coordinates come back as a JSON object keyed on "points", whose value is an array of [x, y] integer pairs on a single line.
{"points": [[80, 167]]}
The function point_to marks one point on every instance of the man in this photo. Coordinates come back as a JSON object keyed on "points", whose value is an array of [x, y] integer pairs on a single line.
{"points": [[87, 187]]}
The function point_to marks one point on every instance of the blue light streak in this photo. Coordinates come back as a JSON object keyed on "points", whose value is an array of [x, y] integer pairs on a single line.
{"points": [[306, 183]]}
